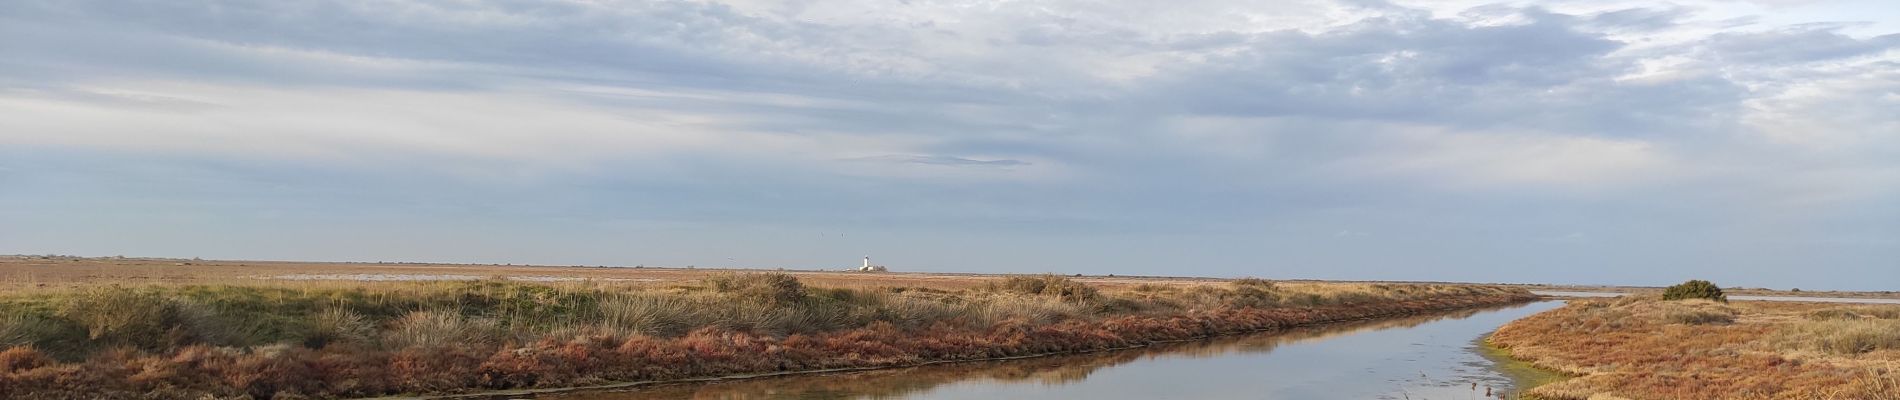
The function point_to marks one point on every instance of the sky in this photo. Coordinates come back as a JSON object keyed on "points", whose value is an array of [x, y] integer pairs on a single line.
{"points": [[1749, 142]]}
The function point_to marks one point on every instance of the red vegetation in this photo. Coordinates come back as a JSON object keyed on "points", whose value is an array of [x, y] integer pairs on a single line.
{"points": [[345, 370], [1639, 349]]}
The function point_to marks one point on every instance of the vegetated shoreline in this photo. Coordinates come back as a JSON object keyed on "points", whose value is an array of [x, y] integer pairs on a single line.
{"points": [[1524, 375], [468, 337], [1734, 291], [1641, 347], [1140, 345]]}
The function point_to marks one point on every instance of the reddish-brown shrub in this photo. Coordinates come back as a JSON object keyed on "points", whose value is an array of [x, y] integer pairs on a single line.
{"points": [[22, 358]]}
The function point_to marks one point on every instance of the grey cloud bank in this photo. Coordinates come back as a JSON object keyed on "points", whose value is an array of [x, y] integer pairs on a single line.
{"points": [[1523, 142]]}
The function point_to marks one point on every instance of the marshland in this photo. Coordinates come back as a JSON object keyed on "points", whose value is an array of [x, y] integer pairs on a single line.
{"points": [[1646, 347], [272, 338], [159, 328]]}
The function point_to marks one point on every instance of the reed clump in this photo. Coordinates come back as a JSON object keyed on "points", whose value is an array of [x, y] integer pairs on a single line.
{"points": [[1047, 285]]}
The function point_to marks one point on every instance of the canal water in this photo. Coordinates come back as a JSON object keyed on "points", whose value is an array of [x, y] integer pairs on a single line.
{"points": [[1424, 357]]}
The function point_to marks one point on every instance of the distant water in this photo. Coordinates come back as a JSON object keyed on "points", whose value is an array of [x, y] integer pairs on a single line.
{"points": [[1428, 357], [1560, 293]]}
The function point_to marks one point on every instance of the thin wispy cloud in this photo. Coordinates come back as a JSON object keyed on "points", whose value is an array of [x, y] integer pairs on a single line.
{"points": [[1721, 139]]}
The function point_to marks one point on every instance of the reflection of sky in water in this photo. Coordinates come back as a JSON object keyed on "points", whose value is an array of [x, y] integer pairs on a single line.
{"points": [[1429, 361], [1381, 360]]}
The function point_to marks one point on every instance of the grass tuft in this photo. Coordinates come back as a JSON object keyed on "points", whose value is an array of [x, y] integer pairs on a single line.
{"points": [[441, 329], [1841, 337], [338, 325], [770, 288], [1700, 317], [1047, 285]]}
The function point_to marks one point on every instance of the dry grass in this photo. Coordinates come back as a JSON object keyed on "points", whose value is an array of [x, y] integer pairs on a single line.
{"points": [[29, 273], [338, 339], [1840, 337], [441, 329], [1645, 348], [1856, 312]]}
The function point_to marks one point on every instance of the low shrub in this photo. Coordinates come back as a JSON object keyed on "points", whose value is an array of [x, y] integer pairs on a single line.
{"points": [[1251, 282], [1047, 285], [1695, 289], [1699, 317], [22, 358], [116, 316], [770, 288], [1152, 288], [1307, 300]]}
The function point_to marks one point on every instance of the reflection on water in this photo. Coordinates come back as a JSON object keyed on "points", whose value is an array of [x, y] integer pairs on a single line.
{"points": [[1425, 357]]}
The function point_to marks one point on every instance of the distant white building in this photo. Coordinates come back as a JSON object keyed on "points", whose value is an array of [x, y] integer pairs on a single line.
{"points": [[871, 268]]}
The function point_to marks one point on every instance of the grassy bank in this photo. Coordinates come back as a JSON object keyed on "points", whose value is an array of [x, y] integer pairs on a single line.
{"points": [[1647, 348], [364, 339], [1523, 374], [1051, 370]]}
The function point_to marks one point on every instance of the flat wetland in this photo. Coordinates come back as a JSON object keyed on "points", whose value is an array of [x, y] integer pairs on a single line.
{"points": [[30, 272], [86, 328], [1429, 356], [1642, 347], [148, 328]]}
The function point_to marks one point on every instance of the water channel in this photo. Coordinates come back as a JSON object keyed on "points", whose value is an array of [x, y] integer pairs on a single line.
{"points": [[1423, 357]]}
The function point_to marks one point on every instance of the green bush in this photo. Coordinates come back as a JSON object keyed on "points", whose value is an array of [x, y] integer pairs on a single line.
{"points": [[1695, 289]]}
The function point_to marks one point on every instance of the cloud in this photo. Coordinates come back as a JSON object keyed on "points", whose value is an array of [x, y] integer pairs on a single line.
{"points": [[1552, 162], [941, 160], [1200, 127], [1798, 44]]}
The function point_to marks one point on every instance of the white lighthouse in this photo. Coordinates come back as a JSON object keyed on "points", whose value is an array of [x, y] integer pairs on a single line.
{"points": [[870, 268]]}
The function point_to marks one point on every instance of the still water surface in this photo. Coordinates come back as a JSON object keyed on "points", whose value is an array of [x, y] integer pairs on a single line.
{"points": [[1427, 357]]}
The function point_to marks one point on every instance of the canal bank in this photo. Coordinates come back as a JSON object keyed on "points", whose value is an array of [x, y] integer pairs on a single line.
{"points": [[1435, 355]]}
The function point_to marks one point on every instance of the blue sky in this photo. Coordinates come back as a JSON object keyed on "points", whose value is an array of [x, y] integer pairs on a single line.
{"points": [[1754, 143]]}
